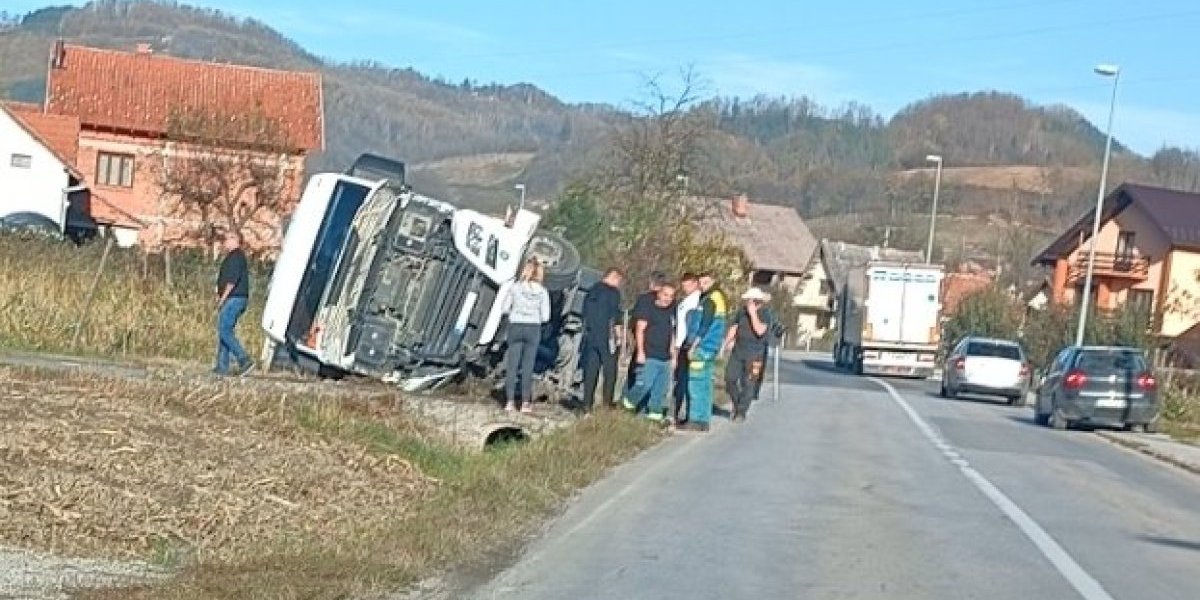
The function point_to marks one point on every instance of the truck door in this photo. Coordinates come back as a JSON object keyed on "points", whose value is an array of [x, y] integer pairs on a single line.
{"points": [[885, 304], [919, 301]]}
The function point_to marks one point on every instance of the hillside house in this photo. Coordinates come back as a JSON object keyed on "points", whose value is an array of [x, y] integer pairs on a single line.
{"points": [[778, 245], [1147, 256], [124, 103]]}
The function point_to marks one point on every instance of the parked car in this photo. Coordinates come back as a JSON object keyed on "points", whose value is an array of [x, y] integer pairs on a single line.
{"points": [[33, 225], [986, 366], [1099, 385]]}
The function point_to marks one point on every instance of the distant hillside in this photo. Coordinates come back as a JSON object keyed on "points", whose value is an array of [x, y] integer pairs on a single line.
{"points": [[470, 142]]}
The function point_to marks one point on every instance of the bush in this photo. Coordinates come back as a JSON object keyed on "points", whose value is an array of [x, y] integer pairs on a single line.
{"points": [[988, 313]]}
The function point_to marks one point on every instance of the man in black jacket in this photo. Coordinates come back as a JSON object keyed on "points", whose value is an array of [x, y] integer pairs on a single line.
{"points": [[233, 293], [602, 329]]}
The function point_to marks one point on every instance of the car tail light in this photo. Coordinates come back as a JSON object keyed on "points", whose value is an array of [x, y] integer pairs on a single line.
{"points": [[1075, 380], [1147, 382], [960, 364]]}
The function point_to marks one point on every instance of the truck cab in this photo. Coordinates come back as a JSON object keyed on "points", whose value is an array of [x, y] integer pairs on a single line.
{"points": [[378, 280]]}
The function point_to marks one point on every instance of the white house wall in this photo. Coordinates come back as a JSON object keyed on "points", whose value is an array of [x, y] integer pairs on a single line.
{"points": [[38, 188]]}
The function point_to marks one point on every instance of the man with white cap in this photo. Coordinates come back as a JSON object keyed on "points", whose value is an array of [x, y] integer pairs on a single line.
{"points": [[749, 337]]}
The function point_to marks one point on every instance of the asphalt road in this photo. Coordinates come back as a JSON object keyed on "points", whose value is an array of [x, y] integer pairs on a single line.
{"points": [[843, 489]]}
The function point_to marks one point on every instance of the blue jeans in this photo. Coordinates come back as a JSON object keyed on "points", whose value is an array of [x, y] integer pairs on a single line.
{"points": [[700, 388], [653, 379], [227, 342]]}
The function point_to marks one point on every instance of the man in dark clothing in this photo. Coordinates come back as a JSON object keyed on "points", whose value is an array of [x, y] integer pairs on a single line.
{"points": [[654, 355], [749, 338], [233, 291], [601, 337], [643, 303]]}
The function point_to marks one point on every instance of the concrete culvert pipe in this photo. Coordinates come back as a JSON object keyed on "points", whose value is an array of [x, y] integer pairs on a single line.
{"points": [[500, 435]]}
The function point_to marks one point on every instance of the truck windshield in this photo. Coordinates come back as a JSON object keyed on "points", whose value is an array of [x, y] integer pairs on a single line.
{"points": [[345, 201]]}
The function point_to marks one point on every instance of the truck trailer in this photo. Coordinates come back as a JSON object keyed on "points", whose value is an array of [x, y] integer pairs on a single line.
{"points": [[889, 319]]}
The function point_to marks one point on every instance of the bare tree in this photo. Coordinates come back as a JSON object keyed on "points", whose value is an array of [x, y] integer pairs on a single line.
{"points": [[224, 171]]}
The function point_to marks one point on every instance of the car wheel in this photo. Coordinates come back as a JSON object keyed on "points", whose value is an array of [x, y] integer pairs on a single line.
{"points": [[1016, 400], [1151, 427], [944, 392], [1136, 427], [560, 257], [1042, 419]]}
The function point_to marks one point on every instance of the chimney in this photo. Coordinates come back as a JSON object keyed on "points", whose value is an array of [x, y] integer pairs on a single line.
{"points": [[59, 56], [144, 48], [741, 206]]}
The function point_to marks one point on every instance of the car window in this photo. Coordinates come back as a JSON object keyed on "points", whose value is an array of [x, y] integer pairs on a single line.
{"points": [[989, 349], [1110, 361]]}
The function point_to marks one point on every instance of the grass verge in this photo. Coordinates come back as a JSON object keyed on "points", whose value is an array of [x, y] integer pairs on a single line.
{"points": [[134, 313], [249, 493]]}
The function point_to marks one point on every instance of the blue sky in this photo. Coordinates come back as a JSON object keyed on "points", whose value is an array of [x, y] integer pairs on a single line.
{"points": [[881, 53]]}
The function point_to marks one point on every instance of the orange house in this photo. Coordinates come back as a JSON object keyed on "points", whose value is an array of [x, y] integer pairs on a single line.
{"points": [[1147, 256], [124, 102]]}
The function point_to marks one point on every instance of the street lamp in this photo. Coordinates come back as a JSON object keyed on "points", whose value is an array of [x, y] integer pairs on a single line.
{"points": [[1115, 72], [937, 188]]}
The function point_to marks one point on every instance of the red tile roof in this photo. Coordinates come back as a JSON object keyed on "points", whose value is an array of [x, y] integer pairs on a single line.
{"points": [[58, 133], [956, 287], [115, 90]]}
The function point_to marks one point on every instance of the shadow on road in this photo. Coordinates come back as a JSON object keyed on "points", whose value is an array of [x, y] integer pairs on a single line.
{"points": [[822, 365], [970, 398], [1024, 419], [1172, 542]]}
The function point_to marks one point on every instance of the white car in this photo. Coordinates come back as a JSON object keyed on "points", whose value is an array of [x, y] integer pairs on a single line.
{"points": [[990, 367]]}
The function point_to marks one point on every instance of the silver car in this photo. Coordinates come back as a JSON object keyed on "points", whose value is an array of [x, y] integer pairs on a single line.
{"points": [[990, 367]]}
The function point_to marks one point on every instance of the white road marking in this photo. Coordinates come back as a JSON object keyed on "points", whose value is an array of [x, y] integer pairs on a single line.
{"points": [[1084, 583]]}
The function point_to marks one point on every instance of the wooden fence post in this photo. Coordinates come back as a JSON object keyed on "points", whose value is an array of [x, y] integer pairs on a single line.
{"points": [[87, 303]]}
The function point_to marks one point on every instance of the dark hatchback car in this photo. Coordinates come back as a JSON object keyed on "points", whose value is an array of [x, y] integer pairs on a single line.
{"points": [[1108, 386]]}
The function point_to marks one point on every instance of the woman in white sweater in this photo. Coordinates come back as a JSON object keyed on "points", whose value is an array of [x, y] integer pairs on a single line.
{"points": [[528, 307]]}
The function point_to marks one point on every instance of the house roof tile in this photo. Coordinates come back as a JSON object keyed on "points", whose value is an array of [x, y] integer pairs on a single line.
{"points": [[774, 238], [140, 92], [58, 133], [1175, 212]]}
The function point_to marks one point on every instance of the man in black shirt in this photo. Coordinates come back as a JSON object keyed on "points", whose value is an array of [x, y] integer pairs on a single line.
{"points": [[601, 336], [749, 336], [233, 291], [654, 355], [644, 302]]}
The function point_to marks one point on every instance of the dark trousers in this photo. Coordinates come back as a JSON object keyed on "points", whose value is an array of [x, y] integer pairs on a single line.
{"points": [[523, 342], [743, 376], [680, 391], [597, 362]]}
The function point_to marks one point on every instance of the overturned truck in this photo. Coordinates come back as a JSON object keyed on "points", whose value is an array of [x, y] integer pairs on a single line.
{"points": [[377, 280]]}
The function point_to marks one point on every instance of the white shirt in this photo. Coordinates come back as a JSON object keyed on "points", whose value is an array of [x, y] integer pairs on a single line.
{"points": [[687, 305]]}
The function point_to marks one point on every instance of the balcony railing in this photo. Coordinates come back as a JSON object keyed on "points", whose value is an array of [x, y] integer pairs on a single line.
{"points": [[1124, 266]]}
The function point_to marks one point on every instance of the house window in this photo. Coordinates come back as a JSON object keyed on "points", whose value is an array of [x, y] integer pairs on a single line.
{"points": [[1125, 244], [21, 161], [114, 169]]}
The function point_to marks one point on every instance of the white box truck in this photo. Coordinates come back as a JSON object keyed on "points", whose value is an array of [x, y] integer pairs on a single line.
{"points": [[889, 319]]}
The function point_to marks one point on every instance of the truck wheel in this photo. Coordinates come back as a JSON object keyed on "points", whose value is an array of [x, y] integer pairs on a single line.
{"points": [[858, 363], [560, 257]]}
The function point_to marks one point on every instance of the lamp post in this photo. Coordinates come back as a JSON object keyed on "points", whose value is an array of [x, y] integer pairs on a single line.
{"points": [[1115, 72], [937, 188]]}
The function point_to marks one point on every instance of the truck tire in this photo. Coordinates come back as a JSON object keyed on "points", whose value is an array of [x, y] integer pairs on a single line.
{"points": [[560, 257]]}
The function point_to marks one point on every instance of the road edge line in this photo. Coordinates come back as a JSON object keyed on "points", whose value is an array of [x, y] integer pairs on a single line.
{"points": [[1079, 579]]}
